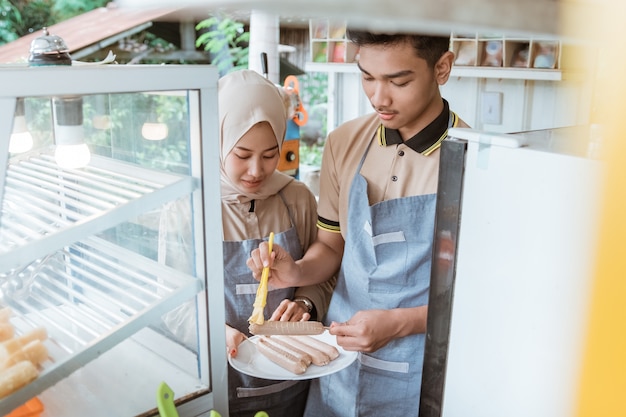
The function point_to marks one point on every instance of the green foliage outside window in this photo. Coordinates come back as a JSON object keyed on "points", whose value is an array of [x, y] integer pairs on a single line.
{"points": [[314, 93], [64, 9], [227, 42], [21, 17]]}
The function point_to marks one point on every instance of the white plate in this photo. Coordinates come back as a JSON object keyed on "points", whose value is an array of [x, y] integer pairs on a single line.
{"points": [[249, 361]]}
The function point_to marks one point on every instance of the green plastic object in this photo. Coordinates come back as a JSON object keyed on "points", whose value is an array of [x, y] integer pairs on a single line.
{"points": [[165, 404], [165, 401]]}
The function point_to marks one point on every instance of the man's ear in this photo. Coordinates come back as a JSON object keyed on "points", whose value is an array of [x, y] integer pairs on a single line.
{"points": [[443, 66]]}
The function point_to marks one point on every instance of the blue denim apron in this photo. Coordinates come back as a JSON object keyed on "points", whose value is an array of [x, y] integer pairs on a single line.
{"points": [[247, 394], [386, 265]]}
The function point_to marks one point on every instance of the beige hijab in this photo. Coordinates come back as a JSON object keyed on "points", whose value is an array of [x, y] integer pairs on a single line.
{"points": [[245, 99]]}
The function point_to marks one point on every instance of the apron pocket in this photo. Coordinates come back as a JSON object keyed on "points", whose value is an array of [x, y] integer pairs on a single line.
{"points": [[390, 254], [401, 269], [399, 367], [246, 289], [387, 388], [266, 390]]}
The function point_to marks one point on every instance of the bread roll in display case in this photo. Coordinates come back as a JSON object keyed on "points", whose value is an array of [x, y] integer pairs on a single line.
{"points": [[110, 232]]}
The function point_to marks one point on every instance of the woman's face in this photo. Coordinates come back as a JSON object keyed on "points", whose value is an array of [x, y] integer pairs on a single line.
{"points": [[253, 159]]}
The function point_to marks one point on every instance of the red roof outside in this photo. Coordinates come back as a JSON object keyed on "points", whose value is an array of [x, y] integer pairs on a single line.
{"points": [[86, 29]]}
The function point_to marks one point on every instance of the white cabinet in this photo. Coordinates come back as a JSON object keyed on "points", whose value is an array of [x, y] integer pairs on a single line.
{"points": [[512, 272]]}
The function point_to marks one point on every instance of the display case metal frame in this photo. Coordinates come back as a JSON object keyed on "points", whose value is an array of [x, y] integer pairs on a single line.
{"points": [[110, 79]]}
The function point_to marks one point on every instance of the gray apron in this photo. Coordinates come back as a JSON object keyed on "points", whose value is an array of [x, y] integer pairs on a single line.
{"points": [[247, 394], [386, 265]]}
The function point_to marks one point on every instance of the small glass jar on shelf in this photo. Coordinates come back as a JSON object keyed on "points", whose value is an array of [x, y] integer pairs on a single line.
{"points": [[329, 43]]}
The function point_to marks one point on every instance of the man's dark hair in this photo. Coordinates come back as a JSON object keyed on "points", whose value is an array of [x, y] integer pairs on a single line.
{"points": [[430, 48]]}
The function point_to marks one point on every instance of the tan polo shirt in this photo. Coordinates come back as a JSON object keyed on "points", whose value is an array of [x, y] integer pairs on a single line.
{"points": [[392, 171], [271, 215], [241, 222]]}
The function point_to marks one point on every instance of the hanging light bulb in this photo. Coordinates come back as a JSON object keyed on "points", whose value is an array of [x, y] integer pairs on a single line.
{"points": [[71, 151], [153, 129], [101, 119], [21, 139]]}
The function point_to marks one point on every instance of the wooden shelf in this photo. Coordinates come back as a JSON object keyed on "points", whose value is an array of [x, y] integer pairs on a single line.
{"points": [[507, 73], [469, 72], [330, 67], [481, 50], [477, 55]]}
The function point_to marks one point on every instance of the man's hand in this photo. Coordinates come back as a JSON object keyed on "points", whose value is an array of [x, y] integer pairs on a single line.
{"points": [[366, 331], [370, 330], [289, 310]]}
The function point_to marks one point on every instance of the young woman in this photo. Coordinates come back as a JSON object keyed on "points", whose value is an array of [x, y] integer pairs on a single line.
{"points": [[256, 200]]}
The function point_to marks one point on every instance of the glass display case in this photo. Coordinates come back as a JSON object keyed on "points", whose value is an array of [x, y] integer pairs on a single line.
{"points": [[110, 231]]}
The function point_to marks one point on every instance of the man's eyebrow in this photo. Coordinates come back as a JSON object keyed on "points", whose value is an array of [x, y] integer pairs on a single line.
{"points": [[398, 74]]}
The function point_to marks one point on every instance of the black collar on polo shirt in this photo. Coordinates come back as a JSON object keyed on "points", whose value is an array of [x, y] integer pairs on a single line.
{"points": [[426, 140]]}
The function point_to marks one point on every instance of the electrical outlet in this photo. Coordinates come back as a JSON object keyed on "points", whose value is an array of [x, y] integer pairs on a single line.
{"points": [[491, 108]]}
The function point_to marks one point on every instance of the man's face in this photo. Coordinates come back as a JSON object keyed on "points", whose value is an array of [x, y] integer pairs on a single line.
{"points": [[401, 87]]}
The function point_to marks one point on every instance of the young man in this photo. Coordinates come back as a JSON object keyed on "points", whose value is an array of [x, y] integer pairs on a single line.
{"points": [[376, 217]]}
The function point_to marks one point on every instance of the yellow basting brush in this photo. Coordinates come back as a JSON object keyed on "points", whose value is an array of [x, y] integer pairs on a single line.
{"points": [[261, 292]]}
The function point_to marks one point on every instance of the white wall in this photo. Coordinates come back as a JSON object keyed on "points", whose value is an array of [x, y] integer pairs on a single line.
{"points": [[346, 99], [526, 104]]}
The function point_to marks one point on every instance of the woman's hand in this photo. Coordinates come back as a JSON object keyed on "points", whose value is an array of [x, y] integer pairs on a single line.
{"points": [[284, 272], [233, 339], [289, 310]]}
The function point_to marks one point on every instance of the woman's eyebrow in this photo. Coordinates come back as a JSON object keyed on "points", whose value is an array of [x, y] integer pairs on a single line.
{"points": [[243, 148]]}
